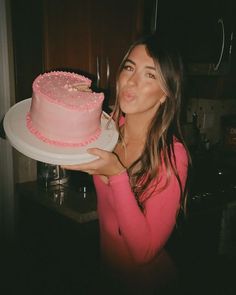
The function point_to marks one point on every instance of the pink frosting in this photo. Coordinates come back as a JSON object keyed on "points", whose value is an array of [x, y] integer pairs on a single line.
{"points": [[64, 111], [40, 136], [60, 87]]}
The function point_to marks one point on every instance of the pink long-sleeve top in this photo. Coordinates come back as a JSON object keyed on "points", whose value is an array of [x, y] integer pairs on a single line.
{"points": [[129, 236]]}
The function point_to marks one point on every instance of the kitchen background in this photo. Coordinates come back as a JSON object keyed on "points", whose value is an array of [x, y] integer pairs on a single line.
{"points": [[90, 37], [94, 35]]}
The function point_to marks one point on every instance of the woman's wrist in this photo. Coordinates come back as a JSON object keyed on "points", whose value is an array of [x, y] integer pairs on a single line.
{"points": [[120, 168]]}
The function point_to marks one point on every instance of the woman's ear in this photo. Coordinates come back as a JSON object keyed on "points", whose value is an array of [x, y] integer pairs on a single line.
{"points": [[162, 99]]}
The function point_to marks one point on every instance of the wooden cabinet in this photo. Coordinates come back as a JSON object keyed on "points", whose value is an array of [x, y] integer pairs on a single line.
{"points": [[27, 37], [90, 37]]}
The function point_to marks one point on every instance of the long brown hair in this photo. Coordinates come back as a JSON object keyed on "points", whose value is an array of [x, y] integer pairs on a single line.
{"points": [[165, 125]]}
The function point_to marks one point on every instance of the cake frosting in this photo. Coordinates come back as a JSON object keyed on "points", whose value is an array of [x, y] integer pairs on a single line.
{"points": [[64, 111]]}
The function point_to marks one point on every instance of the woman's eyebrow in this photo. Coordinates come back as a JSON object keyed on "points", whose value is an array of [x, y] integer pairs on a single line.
{"points": [[147, 67], [129, 60], [151, 68]]}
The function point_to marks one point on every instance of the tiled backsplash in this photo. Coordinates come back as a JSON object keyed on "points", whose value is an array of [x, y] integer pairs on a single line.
{"points": [[209, 114]]}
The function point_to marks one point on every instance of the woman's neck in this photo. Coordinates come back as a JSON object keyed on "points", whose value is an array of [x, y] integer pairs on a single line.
{"points": [[135, 129]]}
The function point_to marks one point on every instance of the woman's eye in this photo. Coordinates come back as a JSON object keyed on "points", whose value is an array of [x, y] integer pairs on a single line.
{"points": [[127, 68], [150, 75]]}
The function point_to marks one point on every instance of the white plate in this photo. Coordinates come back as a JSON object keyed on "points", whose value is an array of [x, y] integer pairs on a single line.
{"points": [[25, 142]]}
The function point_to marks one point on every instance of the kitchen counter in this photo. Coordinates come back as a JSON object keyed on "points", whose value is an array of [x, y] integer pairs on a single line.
{"points": [[78, 204], [212, 177], [212, 183]]}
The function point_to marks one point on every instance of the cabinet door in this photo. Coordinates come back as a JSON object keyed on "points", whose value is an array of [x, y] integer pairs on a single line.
{"points": [[122, 23], [90, 36], [27, 36], [67, 35]]}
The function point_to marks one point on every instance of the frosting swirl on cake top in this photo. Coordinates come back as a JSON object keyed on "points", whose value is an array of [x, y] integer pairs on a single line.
{"points": [[68, 89]]}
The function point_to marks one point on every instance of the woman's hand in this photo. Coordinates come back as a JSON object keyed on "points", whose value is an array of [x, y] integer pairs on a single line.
{"points": [[107, 164]]}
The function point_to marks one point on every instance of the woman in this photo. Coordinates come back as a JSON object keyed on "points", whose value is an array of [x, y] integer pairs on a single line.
{"points": [[140, 186]]}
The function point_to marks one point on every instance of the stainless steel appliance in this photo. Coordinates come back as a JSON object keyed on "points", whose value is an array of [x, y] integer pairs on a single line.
{"points": [[50, 175]]}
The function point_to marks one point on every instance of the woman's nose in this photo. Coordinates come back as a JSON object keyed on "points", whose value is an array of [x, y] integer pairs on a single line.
{"points": [[133, 79]]}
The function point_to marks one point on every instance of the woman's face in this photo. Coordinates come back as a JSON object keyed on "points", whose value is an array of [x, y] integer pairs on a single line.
{"points": [[139, 89]]}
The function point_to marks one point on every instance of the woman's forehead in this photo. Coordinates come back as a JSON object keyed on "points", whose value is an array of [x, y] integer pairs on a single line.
{"points": [[139, 54]]}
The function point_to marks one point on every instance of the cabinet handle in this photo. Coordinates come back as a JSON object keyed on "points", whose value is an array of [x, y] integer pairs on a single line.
{"points": [[154, 23], [221, 22], [231, 45], [98, 71], [108, 71]]}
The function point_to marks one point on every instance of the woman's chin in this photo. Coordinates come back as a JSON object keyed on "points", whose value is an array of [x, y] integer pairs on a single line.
{"points": [[128, 106]]}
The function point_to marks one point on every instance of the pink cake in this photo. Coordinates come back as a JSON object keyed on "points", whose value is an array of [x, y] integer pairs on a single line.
{"points": [[64, 111]]}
